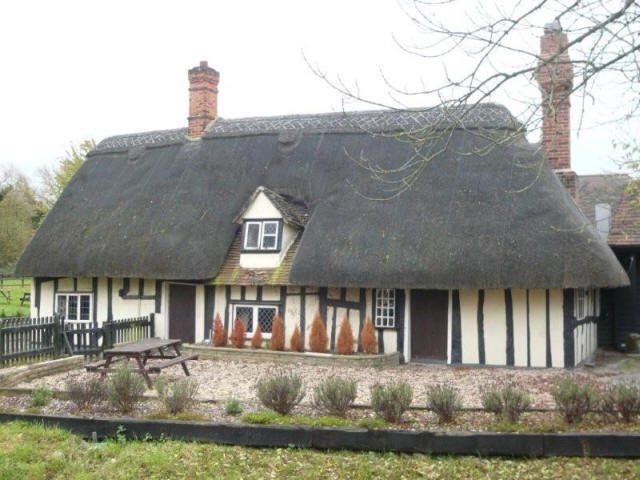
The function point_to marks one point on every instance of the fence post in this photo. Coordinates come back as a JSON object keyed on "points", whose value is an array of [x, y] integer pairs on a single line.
{"points": [[57, 333], [108, 335], [152, 326]]}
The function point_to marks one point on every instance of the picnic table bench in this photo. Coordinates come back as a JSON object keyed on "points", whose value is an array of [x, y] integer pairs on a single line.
{"points": [[6, 294], [142, 351], [26, 297]]}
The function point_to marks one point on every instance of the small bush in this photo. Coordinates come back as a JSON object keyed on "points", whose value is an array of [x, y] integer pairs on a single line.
{"points": [[390, 401], [179, 396], [507, 403], [318, 338], [40, 396], [256, 340], [86, 394], [267, 418], [372, 423], [296, 340], [125, 389], [335, 395], [260, 418], [622, 399], [445, 402], [277, 333], [237, 336], [574, 400], [219, 332], [368, 337], [280, 392], [344, 344], [233, 407]]}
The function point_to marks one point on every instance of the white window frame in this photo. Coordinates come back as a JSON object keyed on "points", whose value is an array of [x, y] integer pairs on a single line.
{"points": [[586, 303], [255, 307], [262, 235], [66, 310], [381, 298]]}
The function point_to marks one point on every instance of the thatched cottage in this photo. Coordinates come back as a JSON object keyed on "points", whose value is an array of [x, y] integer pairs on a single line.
{"points": [[485, 259]]}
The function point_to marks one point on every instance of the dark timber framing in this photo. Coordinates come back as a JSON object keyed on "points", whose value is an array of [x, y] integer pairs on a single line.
{"points": [[548, 328], [568, 327], [109, 299], [322, 300], [481, 355], [303, 313], [456, 333], [209, 309], [508, 302], [55, 291], [363, 314], [227, 296], [158, 296], [126, 287], [528, 333], [400, 321], [38, 287], [94, 287]]}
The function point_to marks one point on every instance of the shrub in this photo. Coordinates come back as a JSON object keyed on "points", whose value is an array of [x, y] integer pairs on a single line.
{"points": [[179, 396], [622, 399], [237, 336], [296, 340], [368, 337], [124, 389], [344, 344], [219, 332], [445, 402], [233, 407], [267, 418], [574, 400], [260, 418], [256, 340], [40, 396], [318, 338], [85, 394], [277, 333], [507, 403], [280, 392], [372, 423], [390, 401], [335, 395]]}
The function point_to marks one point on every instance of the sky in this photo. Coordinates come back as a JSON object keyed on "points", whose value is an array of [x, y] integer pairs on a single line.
{"points": [[74, 70]]}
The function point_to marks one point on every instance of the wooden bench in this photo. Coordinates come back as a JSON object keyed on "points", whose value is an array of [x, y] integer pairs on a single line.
{"points": [[100, 365], [26, 297], [157, 367]]}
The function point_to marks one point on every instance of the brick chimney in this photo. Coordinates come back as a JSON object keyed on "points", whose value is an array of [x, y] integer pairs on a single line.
{"points": [[203, 98], [555, 76]]}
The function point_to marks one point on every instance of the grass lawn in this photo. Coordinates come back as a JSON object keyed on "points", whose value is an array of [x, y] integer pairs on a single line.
{"points": [[13, 307], [34, 452]]}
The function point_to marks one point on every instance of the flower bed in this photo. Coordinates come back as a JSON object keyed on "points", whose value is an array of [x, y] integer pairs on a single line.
{"points": [[205, 351]]}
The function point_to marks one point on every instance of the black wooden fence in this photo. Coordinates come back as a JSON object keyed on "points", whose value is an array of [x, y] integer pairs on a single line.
{"points": [[29, 339]]}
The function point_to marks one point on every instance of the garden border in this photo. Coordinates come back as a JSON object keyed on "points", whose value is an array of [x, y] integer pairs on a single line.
{"points": [[619, 445], [210, 352]]}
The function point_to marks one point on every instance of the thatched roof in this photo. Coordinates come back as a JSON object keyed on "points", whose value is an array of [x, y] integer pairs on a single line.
{"points": [[156, 205]]}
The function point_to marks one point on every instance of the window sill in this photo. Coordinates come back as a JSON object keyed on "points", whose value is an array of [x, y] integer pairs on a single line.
{"points": [[385, 328], [259, 251]]}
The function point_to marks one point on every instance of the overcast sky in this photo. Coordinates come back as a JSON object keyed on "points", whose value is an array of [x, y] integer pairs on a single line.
{"points": [[77, 70]]}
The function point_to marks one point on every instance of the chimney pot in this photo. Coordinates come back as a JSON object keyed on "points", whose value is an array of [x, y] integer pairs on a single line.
{"points": [[203, 98]]}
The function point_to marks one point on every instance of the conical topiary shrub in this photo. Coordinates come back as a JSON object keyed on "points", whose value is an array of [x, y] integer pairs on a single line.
{"points": [[256, 340], [277, 333], [368, 337], [318, 337], [237, 336], [219, 334], [296, 340], [344, 344]]}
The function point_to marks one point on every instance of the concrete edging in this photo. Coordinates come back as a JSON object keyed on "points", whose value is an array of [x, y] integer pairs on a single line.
{"points": [[307, 358], [450, 443]]}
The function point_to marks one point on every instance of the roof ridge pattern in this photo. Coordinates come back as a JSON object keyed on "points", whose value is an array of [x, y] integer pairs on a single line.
{"points": [[485, 115]]}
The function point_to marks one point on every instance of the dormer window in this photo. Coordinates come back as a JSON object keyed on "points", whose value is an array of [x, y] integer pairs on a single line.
{"points": [[262, 235]]}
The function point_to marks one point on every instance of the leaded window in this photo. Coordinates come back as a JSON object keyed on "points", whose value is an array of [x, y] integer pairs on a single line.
{"points": [[385, 307], [586, 302], [252, 315], [261, 235], [74, 307]]}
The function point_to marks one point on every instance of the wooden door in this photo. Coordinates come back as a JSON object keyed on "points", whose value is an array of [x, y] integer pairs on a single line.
{"points": [[182, 312], [429, 324]]}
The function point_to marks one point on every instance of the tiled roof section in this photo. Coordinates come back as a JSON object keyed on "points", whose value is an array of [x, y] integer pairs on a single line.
{"points": [[232, 274], [293, 211], [625, 228], [486, 115], [595, 189]]}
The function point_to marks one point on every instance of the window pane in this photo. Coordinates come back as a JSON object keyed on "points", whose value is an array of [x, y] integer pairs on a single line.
{"points": [[270, 228], [84, 307], [72, 314], [62, 305], [246, 314], [253, 235], [269, 242], [265, 318]]}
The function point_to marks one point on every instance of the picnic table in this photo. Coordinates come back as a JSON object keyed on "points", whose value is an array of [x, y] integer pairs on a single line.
{"points": [[142, 351], [6, 294]]}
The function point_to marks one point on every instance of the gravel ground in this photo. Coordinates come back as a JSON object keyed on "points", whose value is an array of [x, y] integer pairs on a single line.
{"points": [[220, 380]]}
